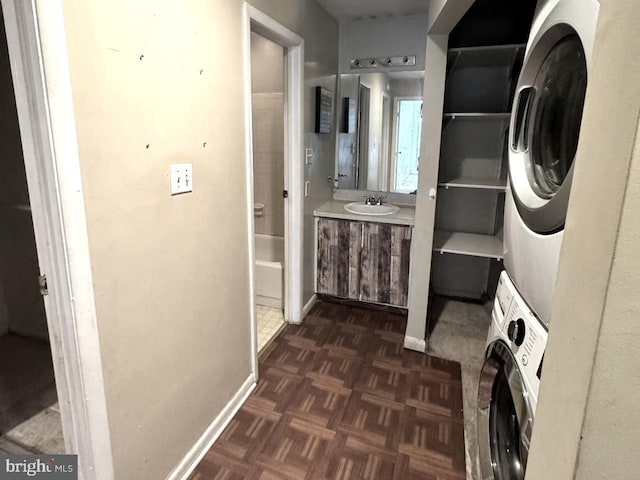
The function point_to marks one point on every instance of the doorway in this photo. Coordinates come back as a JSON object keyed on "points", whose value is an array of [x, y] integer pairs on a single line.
{"points": [[383, 181], [408, 131], [291, 191], [29, 412], [267, 119], [52, 171], [363, 137]]}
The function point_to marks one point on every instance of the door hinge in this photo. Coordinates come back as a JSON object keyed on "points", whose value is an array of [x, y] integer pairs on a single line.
{"points": [[42, 282], [285, 194]]}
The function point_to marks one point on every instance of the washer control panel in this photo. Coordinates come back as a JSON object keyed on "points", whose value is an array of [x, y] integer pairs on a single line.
{"points": [[504, 293], [526, 334]]}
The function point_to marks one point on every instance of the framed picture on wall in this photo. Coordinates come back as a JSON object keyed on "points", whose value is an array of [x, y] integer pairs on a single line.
{"points": [[324, 103]]}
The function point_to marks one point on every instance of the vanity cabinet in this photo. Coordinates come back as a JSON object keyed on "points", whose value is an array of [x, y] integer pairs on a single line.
{"points": [[364, 261]]}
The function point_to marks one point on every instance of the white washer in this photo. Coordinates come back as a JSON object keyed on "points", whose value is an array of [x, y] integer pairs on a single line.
{"points": [[509, 383], [544, 131]]}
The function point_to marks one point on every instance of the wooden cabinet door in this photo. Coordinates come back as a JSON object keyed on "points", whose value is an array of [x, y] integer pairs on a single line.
{"points": [[339, 257], [384, 266]]}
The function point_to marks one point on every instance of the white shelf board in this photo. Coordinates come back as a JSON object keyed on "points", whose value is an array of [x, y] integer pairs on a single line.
{"points": [[481, 183], [484, 56], [488, 48], [477, 116], [489, 246]]}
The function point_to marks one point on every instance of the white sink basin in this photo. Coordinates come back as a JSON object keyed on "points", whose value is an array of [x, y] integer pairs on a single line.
{"points": [[362, 208]]}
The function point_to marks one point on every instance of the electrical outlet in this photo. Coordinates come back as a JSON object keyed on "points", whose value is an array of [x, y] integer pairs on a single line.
{"points": [[307, 185], [181, 178], [308, 156]]}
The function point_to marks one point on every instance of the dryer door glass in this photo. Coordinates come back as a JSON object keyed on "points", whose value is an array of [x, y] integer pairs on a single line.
{"points": [[504, 432], [560, 88]]}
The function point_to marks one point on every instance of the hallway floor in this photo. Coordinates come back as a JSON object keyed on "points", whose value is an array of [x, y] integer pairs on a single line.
{"points": [[340, 398], [29, 413]]}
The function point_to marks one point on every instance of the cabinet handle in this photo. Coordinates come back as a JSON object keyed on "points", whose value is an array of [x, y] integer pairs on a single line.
{"points": [[362, 235]]}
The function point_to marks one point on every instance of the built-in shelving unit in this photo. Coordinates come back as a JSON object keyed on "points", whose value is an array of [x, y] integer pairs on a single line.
{"points": [[460, 243], [497, 184], [477, 116], [473, 166], [484, 55]]}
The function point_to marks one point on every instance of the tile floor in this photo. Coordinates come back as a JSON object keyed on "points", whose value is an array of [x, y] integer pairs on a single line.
{"points": [[270, 321]]}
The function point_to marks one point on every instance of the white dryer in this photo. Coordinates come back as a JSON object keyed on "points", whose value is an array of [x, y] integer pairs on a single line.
{"points": [[509, 383], [544, 131]]}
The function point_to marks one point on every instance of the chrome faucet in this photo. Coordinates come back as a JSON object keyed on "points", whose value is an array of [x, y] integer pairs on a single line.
{"points": [[372, 200]]}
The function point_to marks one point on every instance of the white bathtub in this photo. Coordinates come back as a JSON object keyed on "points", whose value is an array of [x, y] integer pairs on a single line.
{"points": [[269, 273]]}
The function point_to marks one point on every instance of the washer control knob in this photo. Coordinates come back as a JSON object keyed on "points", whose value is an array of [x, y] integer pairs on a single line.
{"points": [[516, 331]]}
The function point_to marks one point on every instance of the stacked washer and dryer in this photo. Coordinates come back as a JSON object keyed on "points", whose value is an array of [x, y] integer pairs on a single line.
{"points": [[543, 139]]}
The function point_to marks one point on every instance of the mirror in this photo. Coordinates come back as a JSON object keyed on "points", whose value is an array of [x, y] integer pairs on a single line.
{"points": [[379, 128]]}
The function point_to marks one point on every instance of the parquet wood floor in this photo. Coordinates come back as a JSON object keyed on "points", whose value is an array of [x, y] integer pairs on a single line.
{"points": [[340, 398]]}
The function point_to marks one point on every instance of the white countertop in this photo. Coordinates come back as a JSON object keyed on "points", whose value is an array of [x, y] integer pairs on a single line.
{"points": [[335, 209]]}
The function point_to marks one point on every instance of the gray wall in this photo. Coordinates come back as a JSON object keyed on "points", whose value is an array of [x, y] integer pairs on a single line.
{"points": [[21, 306], [406, 87], [320, 32], [383, 37], [587, 422]]}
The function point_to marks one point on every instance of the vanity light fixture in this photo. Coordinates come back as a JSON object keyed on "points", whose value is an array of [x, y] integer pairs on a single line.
{"points": [[383, 62]]}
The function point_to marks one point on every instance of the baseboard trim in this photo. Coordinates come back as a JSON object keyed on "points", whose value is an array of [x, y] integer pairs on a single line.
{"points": [[309, 305], [269, 302], [416, 344], [213, 431]]}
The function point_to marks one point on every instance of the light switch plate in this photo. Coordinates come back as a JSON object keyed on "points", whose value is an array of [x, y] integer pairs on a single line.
{"points": [[308, 156], [181, 178]]}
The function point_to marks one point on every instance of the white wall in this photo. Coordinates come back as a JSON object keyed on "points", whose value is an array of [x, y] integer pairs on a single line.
{"points": [[381, 38], [406, 87], [612, 423]]}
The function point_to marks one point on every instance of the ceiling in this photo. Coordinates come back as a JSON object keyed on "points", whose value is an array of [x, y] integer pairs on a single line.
{"points": [[347, 10]]}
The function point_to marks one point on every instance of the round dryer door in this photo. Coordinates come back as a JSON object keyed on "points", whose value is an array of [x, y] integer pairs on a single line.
{"points": [[505, 417], [545, 127]]}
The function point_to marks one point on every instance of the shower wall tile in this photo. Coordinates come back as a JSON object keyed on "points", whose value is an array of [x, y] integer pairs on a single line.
{"points": [[268, 161]]}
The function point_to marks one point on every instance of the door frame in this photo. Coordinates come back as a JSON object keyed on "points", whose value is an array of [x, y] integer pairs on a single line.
{"points": [[37, 44], [385, 143], [364, 125], [394, 153], [258, 22]]}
